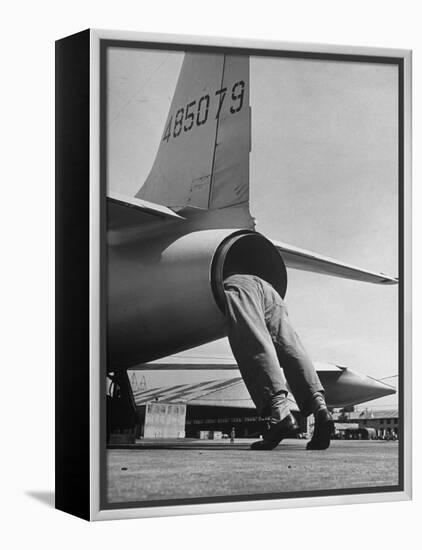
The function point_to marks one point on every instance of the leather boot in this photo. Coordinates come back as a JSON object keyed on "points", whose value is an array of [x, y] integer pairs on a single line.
{"points": [[324, 429], [278, 431]]}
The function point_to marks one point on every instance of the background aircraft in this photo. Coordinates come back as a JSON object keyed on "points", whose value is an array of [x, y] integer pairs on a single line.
{"points": [[170, 245]]}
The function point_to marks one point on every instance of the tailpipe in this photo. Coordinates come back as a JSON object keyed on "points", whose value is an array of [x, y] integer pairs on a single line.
{"points": [[247, 252]]}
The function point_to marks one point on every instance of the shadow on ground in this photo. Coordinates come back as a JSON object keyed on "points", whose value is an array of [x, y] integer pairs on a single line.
{"points": [[45, 497]]}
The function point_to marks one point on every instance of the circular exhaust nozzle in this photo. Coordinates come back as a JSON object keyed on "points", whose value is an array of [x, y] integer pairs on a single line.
{"points": [[247, 252]]}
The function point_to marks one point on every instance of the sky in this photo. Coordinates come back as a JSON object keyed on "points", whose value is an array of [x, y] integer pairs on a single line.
{"points": [[323, 176]]}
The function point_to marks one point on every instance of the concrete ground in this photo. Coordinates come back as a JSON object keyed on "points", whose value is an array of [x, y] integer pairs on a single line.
{"points": [[173, 469]]}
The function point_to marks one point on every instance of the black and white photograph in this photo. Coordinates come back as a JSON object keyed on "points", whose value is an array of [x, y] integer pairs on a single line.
{"points": [[253, 258], [211, 275]]}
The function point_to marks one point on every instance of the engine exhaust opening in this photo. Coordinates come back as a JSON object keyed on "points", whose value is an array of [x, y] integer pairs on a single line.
{"points": [[249, 253]]}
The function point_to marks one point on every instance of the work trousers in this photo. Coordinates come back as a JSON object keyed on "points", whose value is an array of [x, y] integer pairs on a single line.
{"points": [[262, 340]]}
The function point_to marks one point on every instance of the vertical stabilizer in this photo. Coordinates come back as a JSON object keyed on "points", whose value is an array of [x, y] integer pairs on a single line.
{"points": [[230, 179], [203, 156]]}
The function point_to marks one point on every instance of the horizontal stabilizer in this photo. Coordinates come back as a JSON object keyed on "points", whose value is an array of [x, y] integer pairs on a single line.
{"points": [[143, 206], [298, 258]]}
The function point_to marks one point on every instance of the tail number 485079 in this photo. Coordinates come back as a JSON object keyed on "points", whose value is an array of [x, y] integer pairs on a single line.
{"points": [[197, 113]]}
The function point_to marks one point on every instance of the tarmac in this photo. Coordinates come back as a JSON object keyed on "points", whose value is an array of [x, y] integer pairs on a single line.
{"points": [[184, 469]]}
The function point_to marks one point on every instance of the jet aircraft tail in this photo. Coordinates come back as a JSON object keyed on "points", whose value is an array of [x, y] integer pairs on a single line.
{"points": [[202, 163], [203, 157]]}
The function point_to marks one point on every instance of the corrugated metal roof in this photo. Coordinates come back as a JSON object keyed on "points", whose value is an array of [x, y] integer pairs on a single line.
{"points": [[184, 393], [230, 392]]}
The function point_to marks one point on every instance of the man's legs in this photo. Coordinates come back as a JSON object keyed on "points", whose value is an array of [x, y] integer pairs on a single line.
{"points": [[256, 357], [299, 370], [252, 346]]}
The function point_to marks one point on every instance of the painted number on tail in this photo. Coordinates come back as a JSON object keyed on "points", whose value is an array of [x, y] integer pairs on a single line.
{"points": [[198, 112]]}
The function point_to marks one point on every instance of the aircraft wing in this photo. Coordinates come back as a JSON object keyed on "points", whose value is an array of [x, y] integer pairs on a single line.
{"points": [[206, 384], [298, 258]]}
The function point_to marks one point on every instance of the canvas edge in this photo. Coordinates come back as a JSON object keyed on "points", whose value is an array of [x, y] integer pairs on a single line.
{"points": [[407, 251], [95, 440]]}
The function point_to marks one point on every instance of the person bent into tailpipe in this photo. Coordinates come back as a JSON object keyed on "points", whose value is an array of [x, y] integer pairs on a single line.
{"points": [[265, 346]]}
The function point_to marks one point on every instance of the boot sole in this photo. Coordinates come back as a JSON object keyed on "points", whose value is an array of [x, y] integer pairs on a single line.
{"points": [[324, 437]]}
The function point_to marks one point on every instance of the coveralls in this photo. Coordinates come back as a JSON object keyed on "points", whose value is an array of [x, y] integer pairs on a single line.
{"points": [[262, 340]]}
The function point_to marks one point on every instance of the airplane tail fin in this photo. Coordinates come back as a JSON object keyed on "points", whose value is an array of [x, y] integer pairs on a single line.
{"points": [[203, 157]]}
